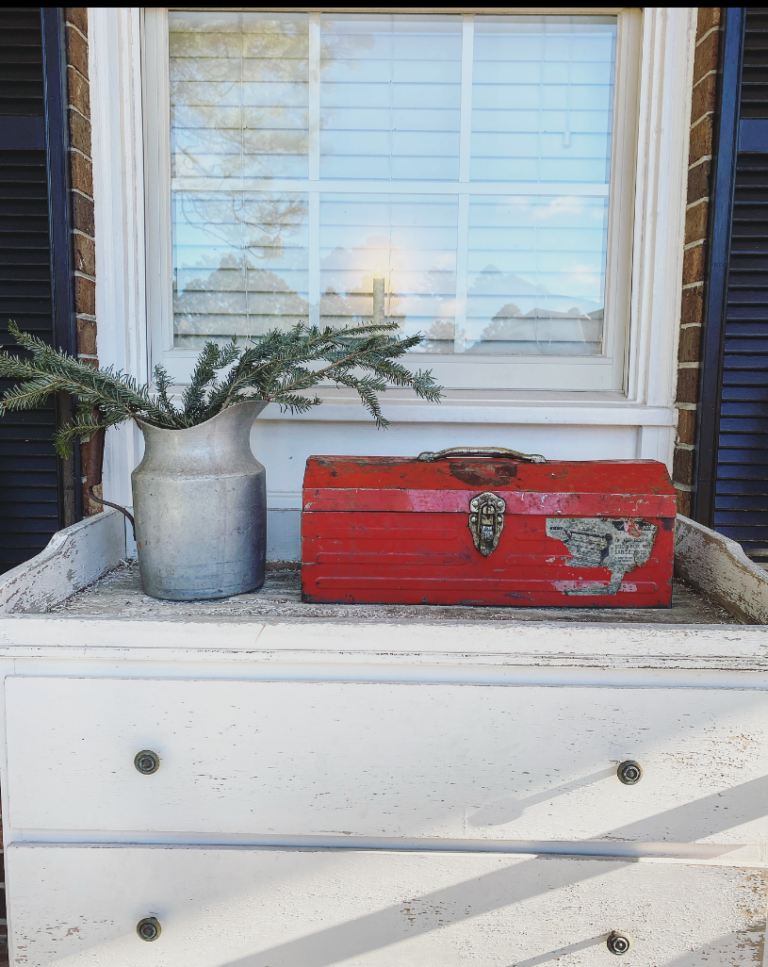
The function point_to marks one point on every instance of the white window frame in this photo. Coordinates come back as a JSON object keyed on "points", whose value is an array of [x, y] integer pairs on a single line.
{"points": [[605, 371], [645, 407]]}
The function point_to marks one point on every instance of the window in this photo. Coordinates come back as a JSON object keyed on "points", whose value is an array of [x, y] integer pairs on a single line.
{"points": [[483, 166]]}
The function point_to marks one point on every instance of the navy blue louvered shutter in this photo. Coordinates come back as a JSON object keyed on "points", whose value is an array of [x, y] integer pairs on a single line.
{"points": [[35, 286], [733, 444]]}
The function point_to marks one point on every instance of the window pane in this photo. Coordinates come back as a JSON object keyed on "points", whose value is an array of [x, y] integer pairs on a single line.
{"points": [[536, 275], [239, 109], [390, 97], [239, 94], [276, 118], [542, 98], [240, 264], [412, 241]]}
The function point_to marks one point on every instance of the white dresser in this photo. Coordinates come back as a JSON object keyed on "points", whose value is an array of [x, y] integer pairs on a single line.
{"points": [[381, 787]]}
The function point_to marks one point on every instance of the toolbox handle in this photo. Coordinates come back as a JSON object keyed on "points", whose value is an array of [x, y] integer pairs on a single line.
{"points": [[428, 457]]}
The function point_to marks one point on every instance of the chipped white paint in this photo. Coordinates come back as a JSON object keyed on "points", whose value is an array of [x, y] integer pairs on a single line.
{"points": [[362, 784], [74, 558], [722, 570], [387, 760], [260, 908]]}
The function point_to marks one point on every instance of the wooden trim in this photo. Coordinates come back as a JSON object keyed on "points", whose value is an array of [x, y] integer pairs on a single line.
{"points": [[720, 569], [119, 216], [519, 11], [73, 559], [602, 372]]}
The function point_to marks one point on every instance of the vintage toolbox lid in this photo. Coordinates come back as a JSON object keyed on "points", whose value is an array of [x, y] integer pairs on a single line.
{"points": [[446, 482]]}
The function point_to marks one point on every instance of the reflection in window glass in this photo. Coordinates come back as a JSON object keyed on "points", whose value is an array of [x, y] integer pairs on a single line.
{"points": [[239, 94], [240, 264], [542, 99], [411, 240], [390, 97], [536, 275], [466, 159]]}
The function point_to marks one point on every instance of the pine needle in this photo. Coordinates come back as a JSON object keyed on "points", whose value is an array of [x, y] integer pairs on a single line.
{"points": [[278, 367]]}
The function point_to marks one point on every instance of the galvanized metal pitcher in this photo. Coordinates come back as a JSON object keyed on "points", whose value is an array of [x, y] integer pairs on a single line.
{"points": [[199, 496]]}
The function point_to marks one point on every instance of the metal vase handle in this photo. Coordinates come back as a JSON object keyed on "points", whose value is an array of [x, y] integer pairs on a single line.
{"points": [[428, 457]]}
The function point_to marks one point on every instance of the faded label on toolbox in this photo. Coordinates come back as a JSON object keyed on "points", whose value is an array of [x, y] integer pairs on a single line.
{"points": [[620, 544]]}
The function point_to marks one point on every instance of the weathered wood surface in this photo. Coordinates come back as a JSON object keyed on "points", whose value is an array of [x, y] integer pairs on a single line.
{"points": [[474, 652], [119, 595], [74, 558], [61, 580], [284, 725], [269, 908], [388, 760], [721, 569]]}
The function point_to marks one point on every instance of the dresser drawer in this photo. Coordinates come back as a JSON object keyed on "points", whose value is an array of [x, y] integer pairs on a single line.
{"points": [[274, 908], [387, 760]]}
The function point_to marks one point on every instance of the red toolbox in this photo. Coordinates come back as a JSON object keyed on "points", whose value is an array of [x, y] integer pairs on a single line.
{"points": [[487, 527]]}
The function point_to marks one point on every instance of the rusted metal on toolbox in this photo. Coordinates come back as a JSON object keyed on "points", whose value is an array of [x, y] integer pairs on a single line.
{"points": [[400, 530]]}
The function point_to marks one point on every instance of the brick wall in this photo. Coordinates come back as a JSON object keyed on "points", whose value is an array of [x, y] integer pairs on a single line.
{"points": [[83, 246], [705, 74]]}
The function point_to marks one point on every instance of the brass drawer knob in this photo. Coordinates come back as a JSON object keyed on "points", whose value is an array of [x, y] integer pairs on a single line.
{"points": [[148, 928], [146, 763], [629, 772], [618, 943]]}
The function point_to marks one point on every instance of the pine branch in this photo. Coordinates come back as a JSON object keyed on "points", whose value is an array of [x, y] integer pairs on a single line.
{"points": [[277, 367], [163, 383]]}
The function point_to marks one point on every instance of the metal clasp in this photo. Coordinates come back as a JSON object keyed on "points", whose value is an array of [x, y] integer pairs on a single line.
{"points": [[486, 521]]}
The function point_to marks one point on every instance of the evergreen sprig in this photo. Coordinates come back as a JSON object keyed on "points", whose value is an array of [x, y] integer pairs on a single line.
{"points": [[279, 367]]}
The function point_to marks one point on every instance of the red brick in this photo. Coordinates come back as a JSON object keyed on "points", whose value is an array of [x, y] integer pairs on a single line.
{"points": [[91, 461], [703, 101], [708, 17], [90, 506], [80, 132], [706, 56], [78, 92], [77, 51], [682, 466], [86, 337], [701, 140], [683, 502], [686, 426], [77, 16], [692, 309], [693, 264], [84, 249], [687, 386], [699, 181], [82, 214], [81, 173], [696, 222], [689, 349], [85, 297]]}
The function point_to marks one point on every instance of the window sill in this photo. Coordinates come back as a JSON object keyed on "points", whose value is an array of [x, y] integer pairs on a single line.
{"points": [[482, 407]]}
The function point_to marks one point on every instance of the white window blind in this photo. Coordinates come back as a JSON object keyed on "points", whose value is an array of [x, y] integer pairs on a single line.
{"points": [[465, 158]]}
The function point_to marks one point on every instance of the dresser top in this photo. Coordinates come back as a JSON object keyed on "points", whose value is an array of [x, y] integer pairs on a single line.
{"points": [[273, 634], [119, 596]]}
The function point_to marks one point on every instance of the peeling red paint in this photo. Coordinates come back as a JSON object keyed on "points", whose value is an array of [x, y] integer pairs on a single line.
{"points": [[392, 530]]}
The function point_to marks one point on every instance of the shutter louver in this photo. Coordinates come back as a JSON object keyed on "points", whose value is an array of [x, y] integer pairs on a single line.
{"points": [[741, 492], [29, 472]]}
